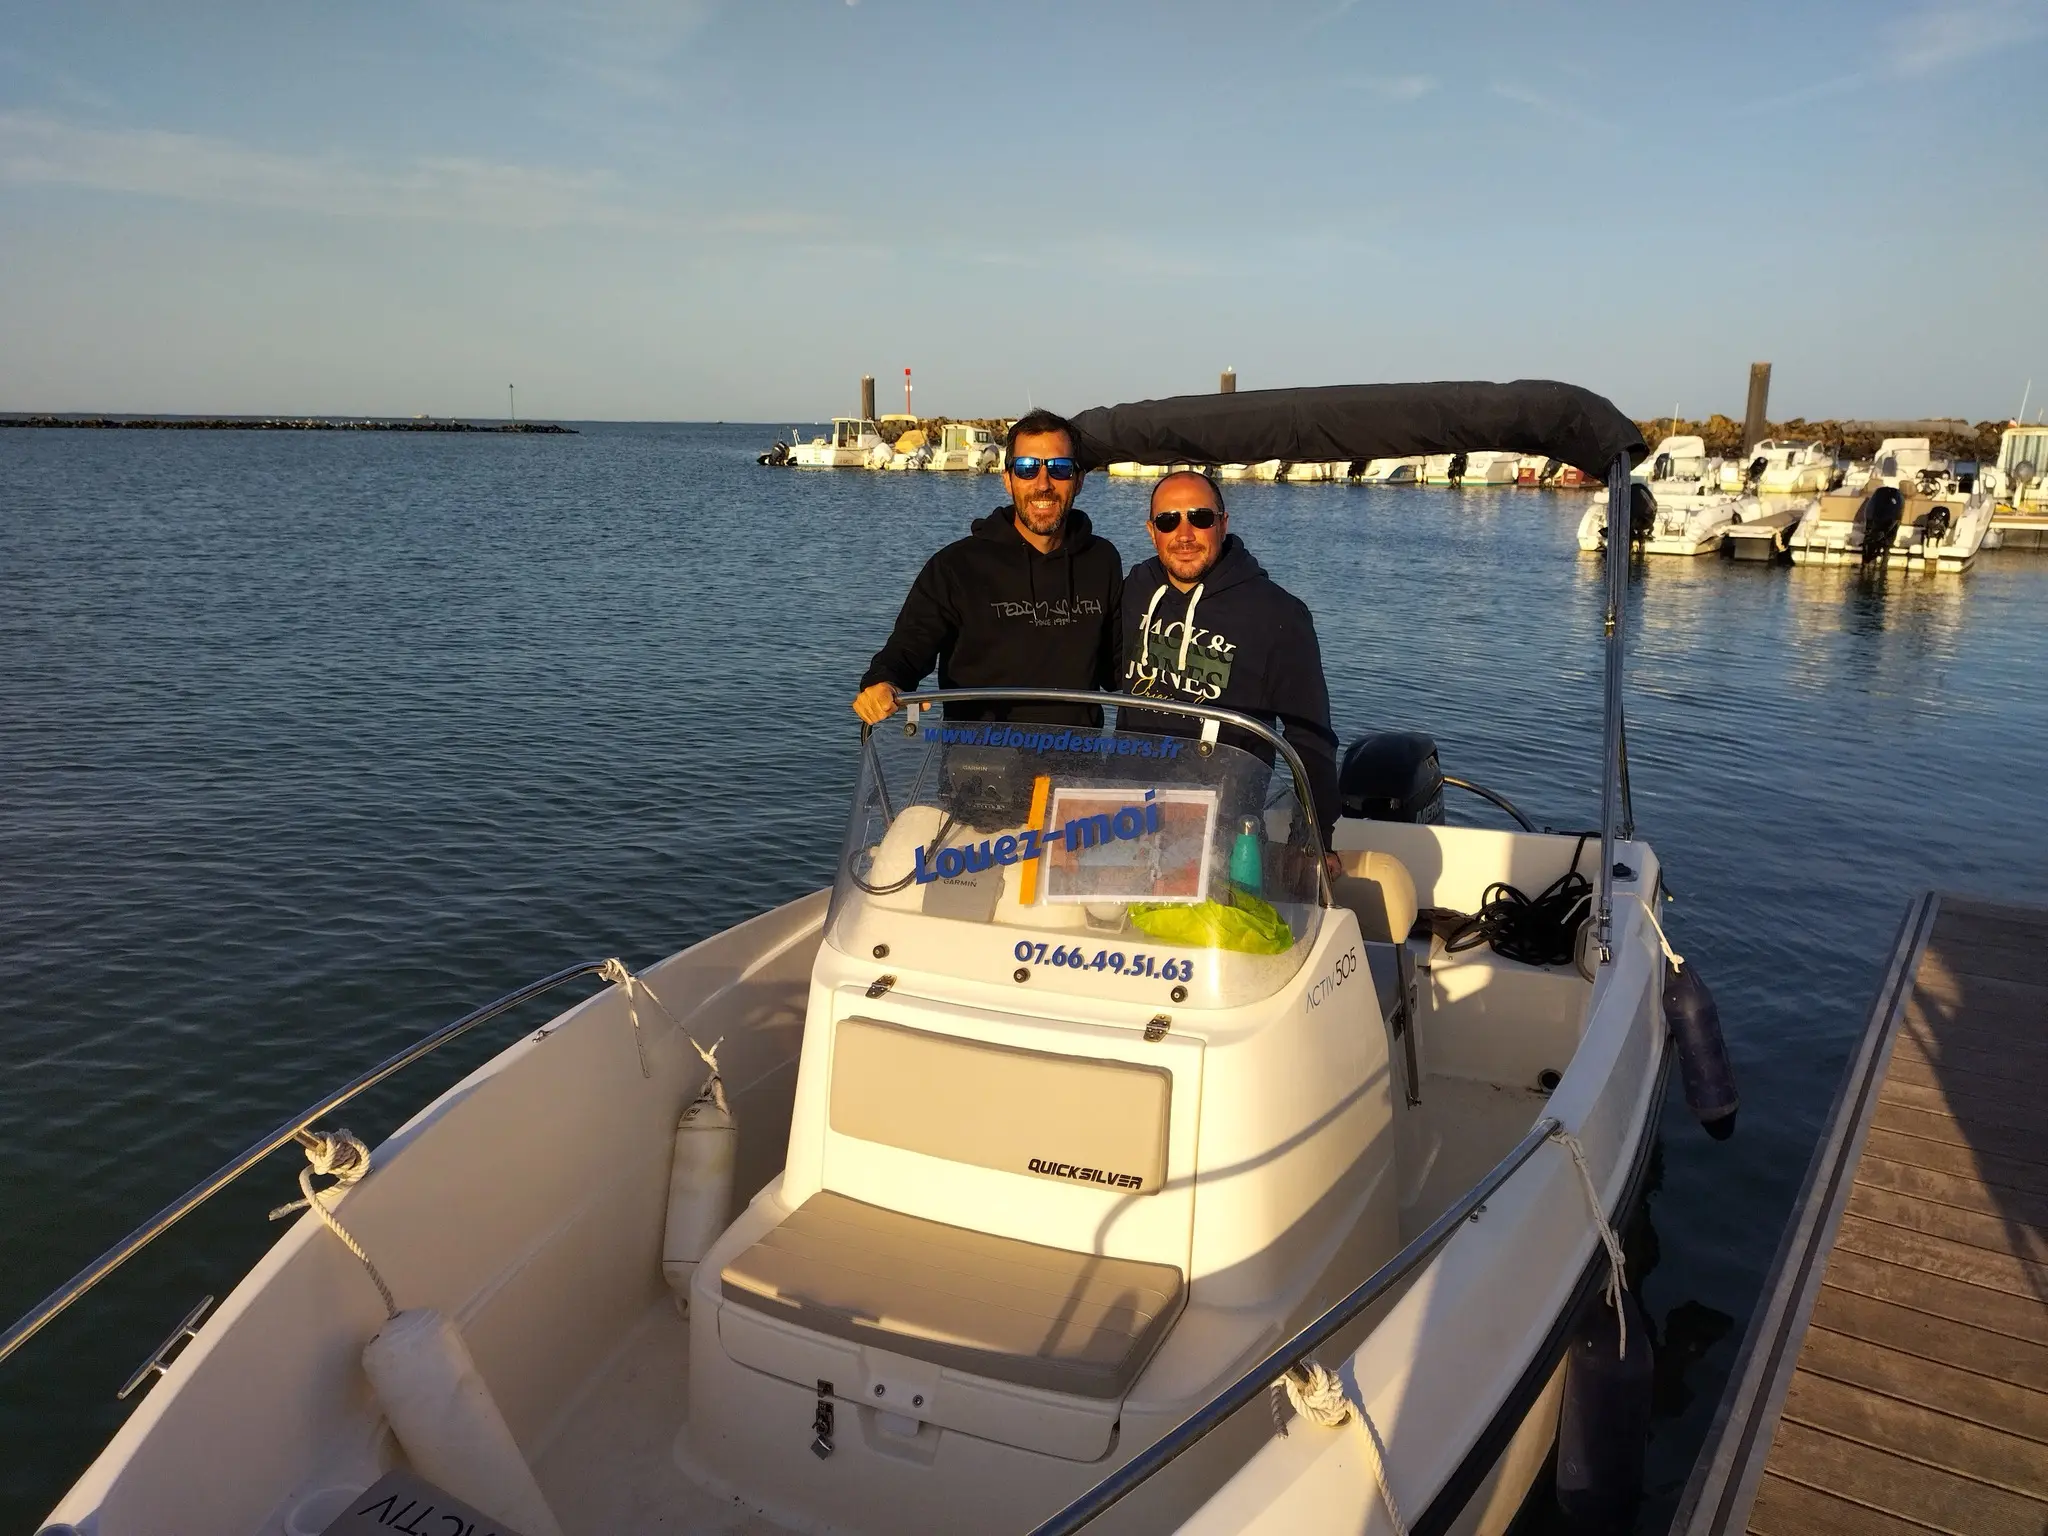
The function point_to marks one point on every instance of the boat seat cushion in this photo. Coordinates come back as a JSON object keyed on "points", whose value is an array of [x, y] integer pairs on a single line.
{"points": [[1378, 887], [967, 1301]]}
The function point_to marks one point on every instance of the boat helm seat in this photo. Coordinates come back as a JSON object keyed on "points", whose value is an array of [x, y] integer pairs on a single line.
{"points": [[988, 1306], [1380, 890]]}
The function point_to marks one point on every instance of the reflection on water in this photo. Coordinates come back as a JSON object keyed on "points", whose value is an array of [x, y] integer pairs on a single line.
{"points": [[309, 743]]}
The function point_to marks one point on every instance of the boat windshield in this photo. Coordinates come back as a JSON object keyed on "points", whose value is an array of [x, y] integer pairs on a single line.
{"points": [[1073, 859]]}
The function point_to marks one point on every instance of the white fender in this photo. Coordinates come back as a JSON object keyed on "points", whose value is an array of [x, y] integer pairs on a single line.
{"points": [[448, 1423], [699, 1185]]}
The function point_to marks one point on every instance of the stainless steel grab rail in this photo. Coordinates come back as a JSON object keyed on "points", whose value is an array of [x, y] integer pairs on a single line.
{"points": [[1495, 798], [1183, 1436], [294, 1129]]}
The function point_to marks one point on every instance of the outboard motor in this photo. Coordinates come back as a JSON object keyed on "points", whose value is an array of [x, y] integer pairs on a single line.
{"points": [[1754, 475], [1695, 1025], [1603, 1423], [1458, 466], [1642, 513], [776, 457], [1393, 776], [1881, 512]]}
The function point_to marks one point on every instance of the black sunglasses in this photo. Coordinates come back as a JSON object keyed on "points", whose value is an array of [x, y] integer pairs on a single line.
{"points": [[1059, 469], [1198, 517]]}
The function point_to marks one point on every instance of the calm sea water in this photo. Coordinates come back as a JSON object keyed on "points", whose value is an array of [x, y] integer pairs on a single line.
{"points": [[309, 743]]}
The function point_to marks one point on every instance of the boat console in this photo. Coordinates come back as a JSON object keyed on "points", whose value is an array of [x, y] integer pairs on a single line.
{"points": [[1096, 1100]]}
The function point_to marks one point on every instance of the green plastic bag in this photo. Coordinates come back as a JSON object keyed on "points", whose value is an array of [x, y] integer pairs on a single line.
{"points": [[1247, 924]]}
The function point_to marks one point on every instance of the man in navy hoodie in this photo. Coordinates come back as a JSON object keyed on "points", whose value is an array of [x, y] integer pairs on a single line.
{"points": [[1028, 599], [1205, 624]]}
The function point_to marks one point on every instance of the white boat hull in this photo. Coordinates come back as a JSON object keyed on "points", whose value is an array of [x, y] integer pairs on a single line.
{"points": [[526, 1204], [825, 456]]}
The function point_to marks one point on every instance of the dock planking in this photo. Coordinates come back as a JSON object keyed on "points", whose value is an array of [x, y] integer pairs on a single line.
{"points": [[1895, 1376]]}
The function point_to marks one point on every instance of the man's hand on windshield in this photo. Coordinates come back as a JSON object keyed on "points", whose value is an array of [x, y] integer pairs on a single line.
{"points": [[875, 703]]}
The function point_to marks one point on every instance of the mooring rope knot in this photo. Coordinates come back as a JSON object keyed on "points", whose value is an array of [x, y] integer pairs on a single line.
{"points": [[341, 1156], [1320, 1396]]}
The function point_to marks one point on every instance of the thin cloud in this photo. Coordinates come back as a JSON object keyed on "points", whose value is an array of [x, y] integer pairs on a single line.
{"points": [[1929, 42], [1942, 37], [623, 46], [39, 150], [1550, 106], [1399, 88]]}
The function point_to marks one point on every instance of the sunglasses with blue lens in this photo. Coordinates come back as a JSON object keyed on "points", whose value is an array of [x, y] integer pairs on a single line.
{"points": [[1059, 469]]}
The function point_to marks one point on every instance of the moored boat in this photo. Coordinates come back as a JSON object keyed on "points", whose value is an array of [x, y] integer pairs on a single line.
{"points": [[847, 446], [963, 447], [2019, 486]]}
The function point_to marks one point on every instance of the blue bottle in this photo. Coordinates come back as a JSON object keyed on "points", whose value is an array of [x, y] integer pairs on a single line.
{"points": [[1248, 858]]}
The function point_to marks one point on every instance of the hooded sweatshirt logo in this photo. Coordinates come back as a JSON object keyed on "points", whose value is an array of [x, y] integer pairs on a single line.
{"points": [[1179, 658]]}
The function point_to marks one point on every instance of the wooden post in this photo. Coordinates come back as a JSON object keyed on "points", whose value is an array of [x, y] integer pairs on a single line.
{"points": [[867, 397], [1228, 385], [1754, 422]]}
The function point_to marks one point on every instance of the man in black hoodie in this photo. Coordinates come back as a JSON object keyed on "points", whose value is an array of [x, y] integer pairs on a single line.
{"points": [[1030, 599], [1205, 624]]}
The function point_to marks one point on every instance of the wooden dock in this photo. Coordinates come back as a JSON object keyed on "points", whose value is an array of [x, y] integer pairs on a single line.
{"points": [[1895, 1376]]}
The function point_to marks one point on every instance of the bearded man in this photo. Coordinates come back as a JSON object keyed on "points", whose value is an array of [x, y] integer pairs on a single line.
{"points": [[1031, 598]]}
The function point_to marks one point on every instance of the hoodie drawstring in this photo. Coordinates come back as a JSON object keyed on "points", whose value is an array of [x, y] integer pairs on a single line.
{"points": [[1187, 626], [1145, 624]]}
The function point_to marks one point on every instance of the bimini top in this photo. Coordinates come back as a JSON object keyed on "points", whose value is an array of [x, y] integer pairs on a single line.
{"points": [[1363, 421]]}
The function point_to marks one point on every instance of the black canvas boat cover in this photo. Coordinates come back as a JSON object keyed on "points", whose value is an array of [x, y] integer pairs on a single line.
{"points": [[1363, 421]]}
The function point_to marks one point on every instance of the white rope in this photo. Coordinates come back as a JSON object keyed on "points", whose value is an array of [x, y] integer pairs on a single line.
{"points": [[1617, 1263], [1650, 911], [614, 971], [1319, 1395], [340, 1156]]}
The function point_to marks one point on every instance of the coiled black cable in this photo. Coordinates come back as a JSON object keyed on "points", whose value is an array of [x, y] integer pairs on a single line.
{"points": [[931, 853], [1538, 930]]}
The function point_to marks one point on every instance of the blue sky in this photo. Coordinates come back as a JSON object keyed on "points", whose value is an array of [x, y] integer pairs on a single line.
{"points": [[688, 211]]}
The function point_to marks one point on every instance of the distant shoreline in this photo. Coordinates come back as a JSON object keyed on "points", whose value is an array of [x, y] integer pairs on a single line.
{"points": [[279, 424]]}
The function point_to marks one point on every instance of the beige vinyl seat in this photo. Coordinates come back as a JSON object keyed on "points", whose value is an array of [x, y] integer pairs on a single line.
{"points": [[973, 1302], [1380, 890]]}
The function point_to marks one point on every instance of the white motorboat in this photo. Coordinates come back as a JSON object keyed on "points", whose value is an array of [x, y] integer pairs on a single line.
{"points": [[1779, 467], [976, 450], [1314, 471], [1266, 469], [1899, 461], [1079, 1110], [1935, 522], [851, 440], [1692, 525], [1480, 467], [1393, 472]]}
